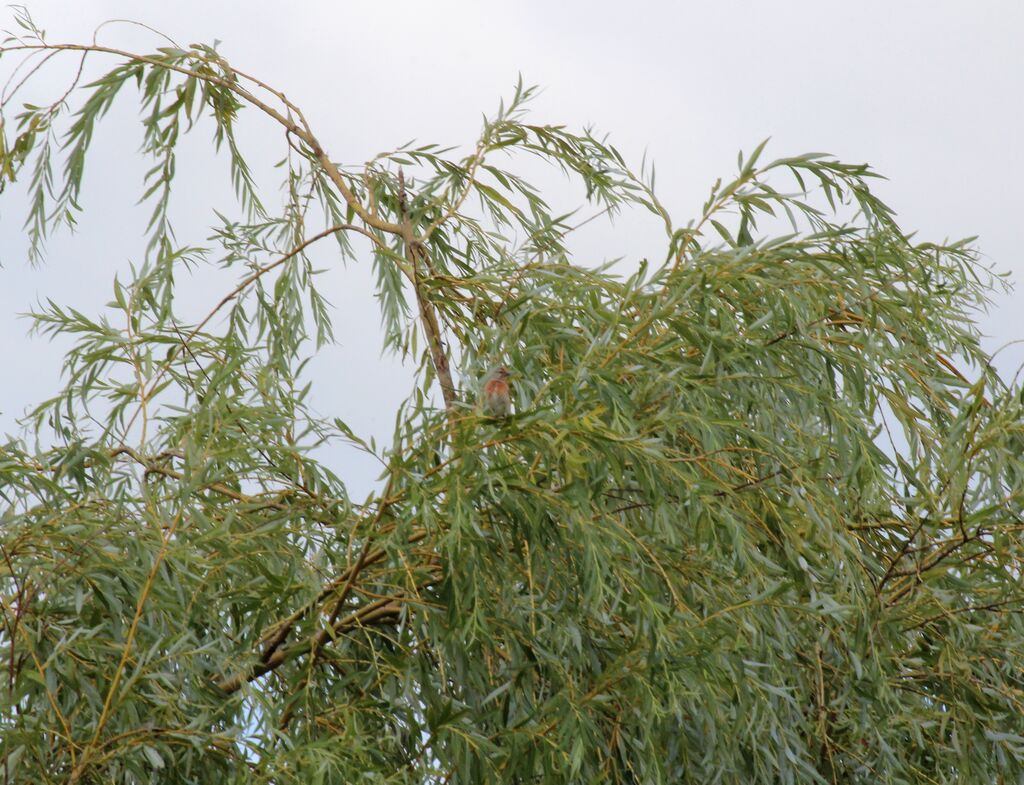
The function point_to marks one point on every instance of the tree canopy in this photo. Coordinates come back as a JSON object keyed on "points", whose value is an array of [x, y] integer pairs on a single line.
{"points": [[756, 515]]}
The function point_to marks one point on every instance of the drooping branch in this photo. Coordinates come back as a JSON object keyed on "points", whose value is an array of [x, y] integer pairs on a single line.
{"points": [[416, 255], [295, 124]]}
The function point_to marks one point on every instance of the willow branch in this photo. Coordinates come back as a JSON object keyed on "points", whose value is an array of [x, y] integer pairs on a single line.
{"points": [[276, 635], [246, 282], [415, 254], [377, 612], [300, 131]]}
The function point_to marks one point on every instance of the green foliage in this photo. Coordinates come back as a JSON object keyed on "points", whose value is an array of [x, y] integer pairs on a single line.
{"points": [[749, 522]]}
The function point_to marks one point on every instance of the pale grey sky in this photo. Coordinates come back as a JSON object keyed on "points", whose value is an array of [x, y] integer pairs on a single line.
{"points": [[928, 92]]}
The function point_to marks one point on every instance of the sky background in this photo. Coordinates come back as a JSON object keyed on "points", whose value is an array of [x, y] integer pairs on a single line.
{"points": [[931, 94]]}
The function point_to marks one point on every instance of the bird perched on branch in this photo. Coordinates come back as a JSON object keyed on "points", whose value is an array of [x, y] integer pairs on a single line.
{"points": [[497, 400]]}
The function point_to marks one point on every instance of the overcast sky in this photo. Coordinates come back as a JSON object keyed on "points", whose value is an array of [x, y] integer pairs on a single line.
{"points": [[930, 93]]}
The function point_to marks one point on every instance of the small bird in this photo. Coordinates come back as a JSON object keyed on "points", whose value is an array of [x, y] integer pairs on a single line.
{"points": [[497, 396]]}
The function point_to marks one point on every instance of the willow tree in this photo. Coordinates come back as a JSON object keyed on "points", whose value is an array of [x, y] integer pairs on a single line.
{"points": [[755, 516]]}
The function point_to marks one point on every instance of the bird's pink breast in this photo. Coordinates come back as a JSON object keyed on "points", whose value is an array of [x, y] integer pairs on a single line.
{"points": [[496, 387]]}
